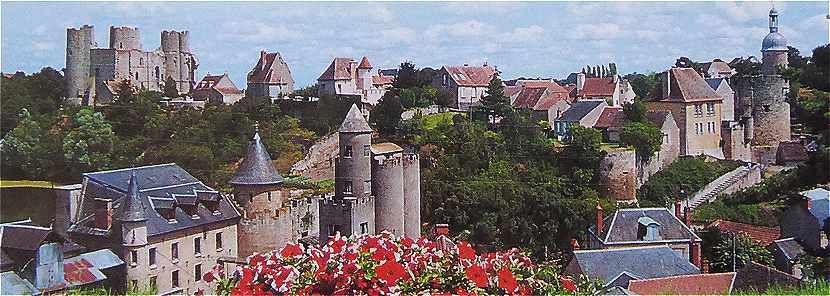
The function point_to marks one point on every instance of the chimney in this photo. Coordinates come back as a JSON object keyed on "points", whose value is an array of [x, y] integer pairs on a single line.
{"points": [[262, 54], [666, 81], [442, 230], [49, 267], [688, 217], [103, 213], [600, 226], [466, 65], [808, 203], [677, 207], [616, 78], [574, 244], [694, 252], [580, 81]]}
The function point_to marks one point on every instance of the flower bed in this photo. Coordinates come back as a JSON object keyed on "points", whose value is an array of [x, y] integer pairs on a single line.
{"points": [[384, 264]]}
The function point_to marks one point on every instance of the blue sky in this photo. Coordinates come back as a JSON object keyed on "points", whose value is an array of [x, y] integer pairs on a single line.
{"points": [[531, 39]]}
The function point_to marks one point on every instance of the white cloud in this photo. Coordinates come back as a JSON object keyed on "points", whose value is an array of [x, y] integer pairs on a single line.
{"points": [[481, 8], [42, 45], [471, 28], [744, 11], [258, 32], [596, 31], [530, 33], [397, 35]]}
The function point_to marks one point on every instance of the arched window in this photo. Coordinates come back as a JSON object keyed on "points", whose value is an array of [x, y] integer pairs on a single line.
{"points": [[157, 73], [136, 75]]}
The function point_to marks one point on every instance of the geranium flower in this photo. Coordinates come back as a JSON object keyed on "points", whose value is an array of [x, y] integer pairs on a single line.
{"points": [[507, 281], [390, 272], [567, 283], [477, 275], [465, 251], [291, 250]]}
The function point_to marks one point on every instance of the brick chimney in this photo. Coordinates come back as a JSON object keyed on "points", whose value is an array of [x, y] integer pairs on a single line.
{"points": [[103, 213], [574, 244], [688, 217], [262, 54], [808, 203], [600, 226], [694, 252], [580, 81], [666, 83], [442, 230], [677, 207]]}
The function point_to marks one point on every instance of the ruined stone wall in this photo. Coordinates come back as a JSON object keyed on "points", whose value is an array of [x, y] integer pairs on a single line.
{"points": [[618, 175], [387, 187], [347, 216], [735, 146], [125, 38], [412, 195], [78, 45], [762, 97], [275, 218], [772, 60]]}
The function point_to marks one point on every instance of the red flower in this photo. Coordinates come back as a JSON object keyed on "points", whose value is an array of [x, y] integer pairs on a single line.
{"points": [[390, 272], [477, 275], [507, 281], [291, 251], [465, 251], [567, 283]]}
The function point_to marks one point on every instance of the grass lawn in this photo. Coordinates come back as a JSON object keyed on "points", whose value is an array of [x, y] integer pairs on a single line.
{"points": [[26, 183]]}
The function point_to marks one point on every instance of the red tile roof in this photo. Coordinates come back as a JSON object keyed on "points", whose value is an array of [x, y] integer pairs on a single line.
{"points": [[339, 69], [598, 87], [211, 82], [471, 76], [364, 63], [763, 235], [693, 284], [511, 90], [528, 97], [537, 94], [270, 69], [611, 117], [791, 151], [382, 80], [686, 86]]}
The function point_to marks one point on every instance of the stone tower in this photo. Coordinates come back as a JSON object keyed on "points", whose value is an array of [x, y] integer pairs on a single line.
{"points": [[387, 186], [179, 63], [364, 75], [78, 43], [125, 38], [256, 174], [412, 194], [774, 47], [353, 169], [131, 220]]}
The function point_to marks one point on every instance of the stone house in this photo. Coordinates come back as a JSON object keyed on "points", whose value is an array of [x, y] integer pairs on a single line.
{"points": [[808, 220], [716, 69], [638, 227], [168, 227], [617, 267], [584, 113], [695, 107], [218, 89], [89, 68], [468, 83], [346, 77], [722, 88], [670, 148], [270, 77], [545, 99], [613, 89]]}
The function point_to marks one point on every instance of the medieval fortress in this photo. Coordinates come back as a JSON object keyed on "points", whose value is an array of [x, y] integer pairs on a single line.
{"points": [[92, 73]]}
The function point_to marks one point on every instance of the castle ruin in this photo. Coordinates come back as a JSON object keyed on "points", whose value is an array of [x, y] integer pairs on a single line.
{"points": [[93, 74]]}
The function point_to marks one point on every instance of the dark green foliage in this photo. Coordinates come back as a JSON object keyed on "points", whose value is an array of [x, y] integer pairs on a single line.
{"points": [[755, 214], [689, 174], [812, 108], [635, 111], [582, 154], [169, 88], [495, 104], [418, 96], [643, 136], [642, 83], [40, 93], [407, 77], [386, 116], [746, 67], [308, 91], [88, 145], [745, 250], [815, 74]]}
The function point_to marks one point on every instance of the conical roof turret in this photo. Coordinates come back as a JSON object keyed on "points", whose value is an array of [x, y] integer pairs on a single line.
{"points": [[364, 63], [256, 168], [354, 122], [131, 209]]}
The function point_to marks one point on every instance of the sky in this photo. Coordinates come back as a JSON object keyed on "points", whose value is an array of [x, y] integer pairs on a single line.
{"points": [[529, 39]]}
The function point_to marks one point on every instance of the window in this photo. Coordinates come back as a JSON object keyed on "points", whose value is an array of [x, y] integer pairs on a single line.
{"points": [[141, 61], [134, 284], [152, 260], [367, 186], [218, 241], [136, 75], [175, 277], [197, 245], [710, 108], [197, 272], [347, 187], [367, 150], [364, 228], [347, 151], [330, 229], [445, 80], [174, 251], [133, 257], [153, 283], [698, 110]]}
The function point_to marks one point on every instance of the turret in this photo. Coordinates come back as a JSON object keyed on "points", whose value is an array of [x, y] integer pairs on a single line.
{"points": [[78, 43], [256, 174], [774, 47], [364, 74], [131, 217], [124, 38], [388, 188], [353, 168], [175, 41], [412, 194]]}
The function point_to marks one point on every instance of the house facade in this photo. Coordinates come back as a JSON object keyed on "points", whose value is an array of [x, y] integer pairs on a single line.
{"points": [[695, 107], [468, 83], [584, 113], [613, 89], [544, 99], [270, 77], [346, 77], [217, 89]]}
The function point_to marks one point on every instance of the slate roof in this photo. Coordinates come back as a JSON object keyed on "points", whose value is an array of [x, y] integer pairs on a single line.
{"points": [[763, 235], [611, 117], [820, 204], [579, 109], [686, 86], [271, 69], [256, 168], [714, 83], [24, 236], [339, 69], [158, 181], [471, 75], [640, 262], [131, 209], [354, 122], [789, 151], [719, 67], [694, 284], [759, 278], [598, 87], [621, 227], [788, 247], [13, 284]]}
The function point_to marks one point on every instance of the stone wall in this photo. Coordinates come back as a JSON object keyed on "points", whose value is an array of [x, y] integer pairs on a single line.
{"points": [[78, 44], [762, 98], [125, 38], [618, 175], [412, 195], [387, 187], [275, 218]]}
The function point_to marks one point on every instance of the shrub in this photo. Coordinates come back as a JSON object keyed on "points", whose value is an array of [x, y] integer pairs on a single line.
{"points": [[689, 174]]}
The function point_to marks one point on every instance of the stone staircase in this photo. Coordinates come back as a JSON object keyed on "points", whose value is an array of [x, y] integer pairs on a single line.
{"points": [[711, 191]]}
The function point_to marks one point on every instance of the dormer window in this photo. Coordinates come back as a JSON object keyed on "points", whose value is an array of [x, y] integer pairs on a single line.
{"points": [[648, 229]]}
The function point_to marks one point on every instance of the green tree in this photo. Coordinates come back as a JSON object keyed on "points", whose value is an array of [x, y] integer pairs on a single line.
{"points": [[745, 250], [22, 151], [582, 154], [643, 136], [386, 115], [495, 104], [170, 89], [635, 111], [642, 84], [407, 76], [815, 73], [89, 143]]}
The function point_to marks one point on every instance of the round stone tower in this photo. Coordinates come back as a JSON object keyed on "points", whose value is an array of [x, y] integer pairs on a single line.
{"points": [[124, 38], [387, 186], [774, 47], [770, 111], [175, 41], [256, 174], [353, 168], [412, 195], [78, 44]]}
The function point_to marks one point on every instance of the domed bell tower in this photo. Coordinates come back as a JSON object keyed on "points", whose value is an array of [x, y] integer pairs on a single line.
{"points": [[774, 47]]}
